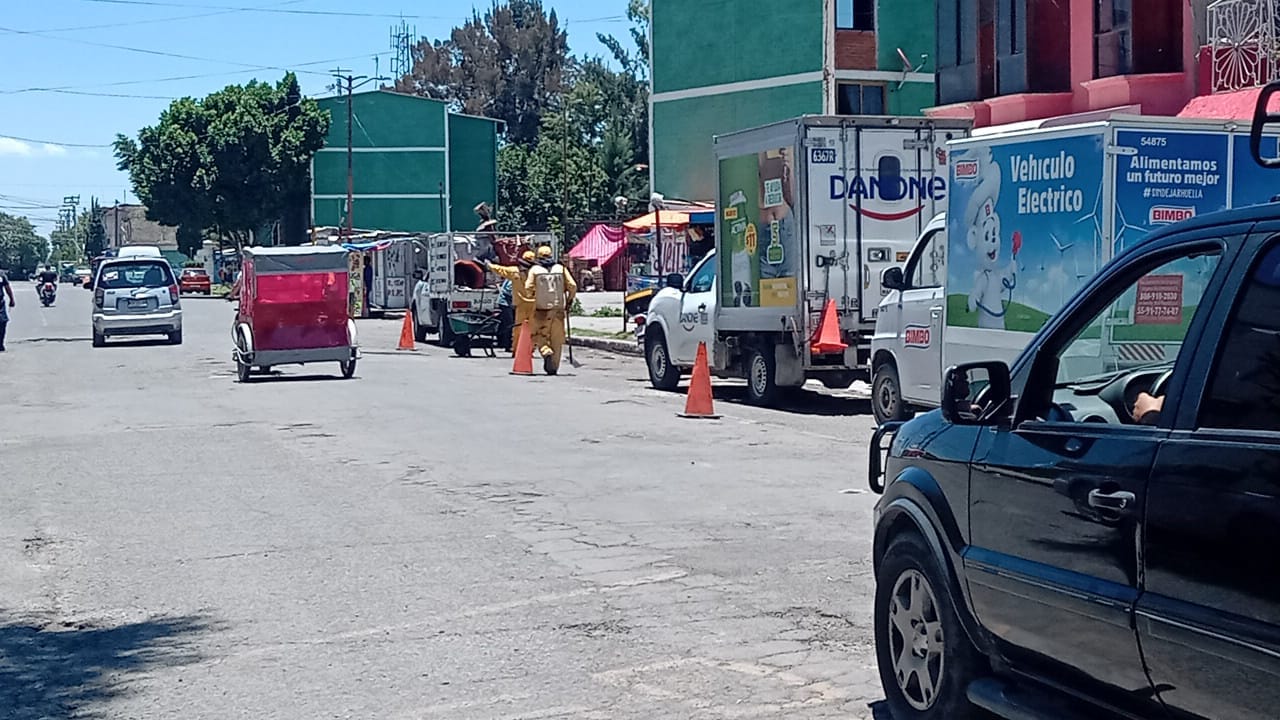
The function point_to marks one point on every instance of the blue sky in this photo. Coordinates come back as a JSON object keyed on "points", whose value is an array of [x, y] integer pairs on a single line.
{"points": [[52, 142]]}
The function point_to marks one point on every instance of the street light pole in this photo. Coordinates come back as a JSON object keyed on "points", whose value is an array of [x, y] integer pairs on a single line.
{"points": [[351, 85]]}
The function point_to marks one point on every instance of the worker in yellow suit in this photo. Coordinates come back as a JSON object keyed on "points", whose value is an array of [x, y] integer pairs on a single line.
{"points": [[523, 298], [552, 288]]}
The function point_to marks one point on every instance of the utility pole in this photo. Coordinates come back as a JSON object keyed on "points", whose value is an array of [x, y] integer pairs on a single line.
{"points": [[564, 155], [115, 239], [351, 83]]}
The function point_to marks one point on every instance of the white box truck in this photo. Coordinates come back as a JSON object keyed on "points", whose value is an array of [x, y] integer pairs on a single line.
{"points": [[1032, 215], [810, 210]]}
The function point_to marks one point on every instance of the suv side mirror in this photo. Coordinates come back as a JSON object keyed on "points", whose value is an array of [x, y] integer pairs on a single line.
{"points": [[675, 281], [892, 279], [976, 393]]}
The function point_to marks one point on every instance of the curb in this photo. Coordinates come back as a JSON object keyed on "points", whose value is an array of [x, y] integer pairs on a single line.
{"points": [[621, 347]]}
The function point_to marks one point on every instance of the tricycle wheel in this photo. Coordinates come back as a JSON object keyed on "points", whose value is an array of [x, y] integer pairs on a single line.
{"points": [[348, 368], [242, 371], [462, 345]]}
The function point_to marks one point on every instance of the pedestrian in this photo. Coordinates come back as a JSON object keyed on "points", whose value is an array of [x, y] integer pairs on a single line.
{"points": [[516, 275], [4, 307], [553, 290], [367, 277]]}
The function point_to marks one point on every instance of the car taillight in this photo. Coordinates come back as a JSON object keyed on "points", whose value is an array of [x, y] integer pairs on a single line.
{"points": [[461, 304], [173, 294], [98, 297], [639, 320]]}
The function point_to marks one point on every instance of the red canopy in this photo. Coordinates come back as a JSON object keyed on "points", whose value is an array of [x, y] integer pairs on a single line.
{"points": [[601, 243]]}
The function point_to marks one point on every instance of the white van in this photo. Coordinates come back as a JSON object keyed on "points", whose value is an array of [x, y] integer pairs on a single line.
{"points": [[133, 251], [136, 296]]}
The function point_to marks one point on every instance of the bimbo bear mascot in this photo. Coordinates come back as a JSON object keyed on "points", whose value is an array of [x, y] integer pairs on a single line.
{"points": [[993, 283]]}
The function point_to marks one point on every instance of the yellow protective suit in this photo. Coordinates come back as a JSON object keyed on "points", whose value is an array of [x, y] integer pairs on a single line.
{"points": [[522, 297], [549, 325]]}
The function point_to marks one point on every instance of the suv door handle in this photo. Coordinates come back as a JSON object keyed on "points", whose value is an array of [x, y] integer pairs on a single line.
{"points": [[935, 312], [1120, 501], [702, 307]]}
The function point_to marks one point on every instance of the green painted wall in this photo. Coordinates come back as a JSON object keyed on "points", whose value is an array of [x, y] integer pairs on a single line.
{"points": [[379, 173], [412, 132], [912, 26], [475, 180], [384, 119], [910, 100], [683, 129], [712, 42]]}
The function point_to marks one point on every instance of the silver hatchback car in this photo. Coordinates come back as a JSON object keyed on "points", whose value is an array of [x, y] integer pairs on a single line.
{"points": [[136, 296]]}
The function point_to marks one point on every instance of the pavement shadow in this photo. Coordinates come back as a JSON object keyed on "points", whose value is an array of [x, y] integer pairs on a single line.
{"points": [[147, 342], [54, 672], [801, 402]]}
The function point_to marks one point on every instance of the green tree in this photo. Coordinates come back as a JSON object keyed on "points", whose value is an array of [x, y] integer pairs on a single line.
{"points": [[231, 162], [21, 248], [96, 240], [507, 64], [68, 245]]}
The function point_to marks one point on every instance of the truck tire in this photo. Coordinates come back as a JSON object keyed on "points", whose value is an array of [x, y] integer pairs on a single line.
{"points": [[419, 330], [886, 395], [762, 377], [663, 375]]}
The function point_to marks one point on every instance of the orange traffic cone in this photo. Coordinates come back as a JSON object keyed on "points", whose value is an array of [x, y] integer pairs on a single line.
{"points": [[522, 364], [697, 404], [829, 341], [406, 333]]}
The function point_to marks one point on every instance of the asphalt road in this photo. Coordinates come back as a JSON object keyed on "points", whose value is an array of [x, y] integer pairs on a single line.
{"points": [[433, 539]]}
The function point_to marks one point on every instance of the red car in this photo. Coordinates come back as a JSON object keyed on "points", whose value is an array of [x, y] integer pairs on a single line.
{"points": [[195, 280]]}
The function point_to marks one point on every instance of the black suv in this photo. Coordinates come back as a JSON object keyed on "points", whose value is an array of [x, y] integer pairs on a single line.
{"points": [[1041, 552]]}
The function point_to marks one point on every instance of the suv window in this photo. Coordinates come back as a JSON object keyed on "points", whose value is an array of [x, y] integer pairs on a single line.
{"points": [[1145, 323], [929, 267], [1244, 387], [126, 275], [704, 278]]}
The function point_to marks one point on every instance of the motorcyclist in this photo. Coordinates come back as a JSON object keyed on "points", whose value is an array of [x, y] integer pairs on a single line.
{"points": [[48, 275]]}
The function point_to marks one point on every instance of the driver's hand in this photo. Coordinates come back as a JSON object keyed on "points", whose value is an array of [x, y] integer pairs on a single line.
{"points": [[1146, 403]]}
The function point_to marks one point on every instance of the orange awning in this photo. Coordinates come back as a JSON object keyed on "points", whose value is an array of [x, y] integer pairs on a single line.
{"points": [[669, 218]]}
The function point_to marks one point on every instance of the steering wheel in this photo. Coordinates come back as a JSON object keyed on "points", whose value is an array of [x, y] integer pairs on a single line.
{"points": [[1161, 384]]}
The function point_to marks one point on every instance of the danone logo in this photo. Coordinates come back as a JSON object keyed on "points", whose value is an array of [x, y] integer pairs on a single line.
{"points": [[966, 169], [917, 336], [1165, 214], [889, 194]]}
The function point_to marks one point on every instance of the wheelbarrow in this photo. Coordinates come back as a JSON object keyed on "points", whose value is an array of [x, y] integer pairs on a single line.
{"points": [[475, 330]]}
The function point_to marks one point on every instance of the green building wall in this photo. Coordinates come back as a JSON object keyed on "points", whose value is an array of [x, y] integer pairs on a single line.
{"points": [[413, 164], [684, 166], [720, 66]]}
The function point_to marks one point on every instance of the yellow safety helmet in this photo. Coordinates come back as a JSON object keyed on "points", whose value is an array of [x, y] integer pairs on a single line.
{"points": [[544, 252], [527, 256]]}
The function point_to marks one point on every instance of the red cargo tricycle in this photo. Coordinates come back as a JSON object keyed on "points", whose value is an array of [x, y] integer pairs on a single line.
{"points": [[293, 310]]}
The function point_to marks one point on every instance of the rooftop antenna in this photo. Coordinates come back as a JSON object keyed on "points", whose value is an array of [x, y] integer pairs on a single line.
{"points": [[402, 49]]}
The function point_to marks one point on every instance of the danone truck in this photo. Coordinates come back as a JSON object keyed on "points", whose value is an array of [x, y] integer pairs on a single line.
{"points": [[1032, 215], [810, 212]]}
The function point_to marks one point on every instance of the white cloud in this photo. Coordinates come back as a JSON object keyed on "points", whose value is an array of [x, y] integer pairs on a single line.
{"points": [[21, 148], [9, 146]]}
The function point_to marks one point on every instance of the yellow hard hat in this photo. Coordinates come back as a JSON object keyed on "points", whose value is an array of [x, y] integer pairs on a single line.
{"points": [[544, 252], [527, 256]]}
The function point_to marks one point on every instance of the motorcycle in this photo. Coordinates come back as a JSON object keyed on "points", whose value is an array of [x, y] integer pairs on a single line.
{"points": [[48, 292]]}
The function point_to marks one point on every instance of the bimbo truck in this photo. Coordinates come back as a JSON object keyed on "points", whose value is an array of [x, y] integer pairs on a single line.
{"points": [[810, 212], [1032, 215]]}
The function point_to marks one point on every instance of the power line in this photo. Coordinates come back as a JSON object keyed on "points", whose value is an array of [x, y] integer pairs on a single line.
{"points": [[153, 21], [175, 78], [145, 51], [53, 142], [322, 13]]}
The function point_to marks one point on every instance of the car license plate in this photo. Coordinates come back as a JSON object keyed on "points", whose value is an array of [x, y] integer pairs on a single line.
{"points": [[140, 304]]}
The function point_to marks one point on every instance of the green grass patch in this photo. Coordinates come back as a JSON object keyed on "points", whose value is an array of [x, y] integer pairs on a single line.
{"points": [[1018, 317]]}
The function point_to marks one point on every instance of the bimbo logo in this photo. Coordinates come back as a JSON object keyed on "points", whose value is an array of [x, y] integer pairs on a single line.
{"points": [[917, 336], [1164, 214], [883, 195], [966, 169]]}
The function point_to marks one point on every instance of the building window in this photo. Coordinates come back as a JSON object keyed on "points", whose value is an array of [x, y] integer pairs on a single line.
{"points": [[858, 99], [855, 14], [1112, 38]]}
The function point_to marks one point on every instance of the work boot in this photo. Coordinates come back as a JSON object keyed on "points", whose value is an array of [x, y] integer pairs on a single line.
{"points": [[548, 364]]}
